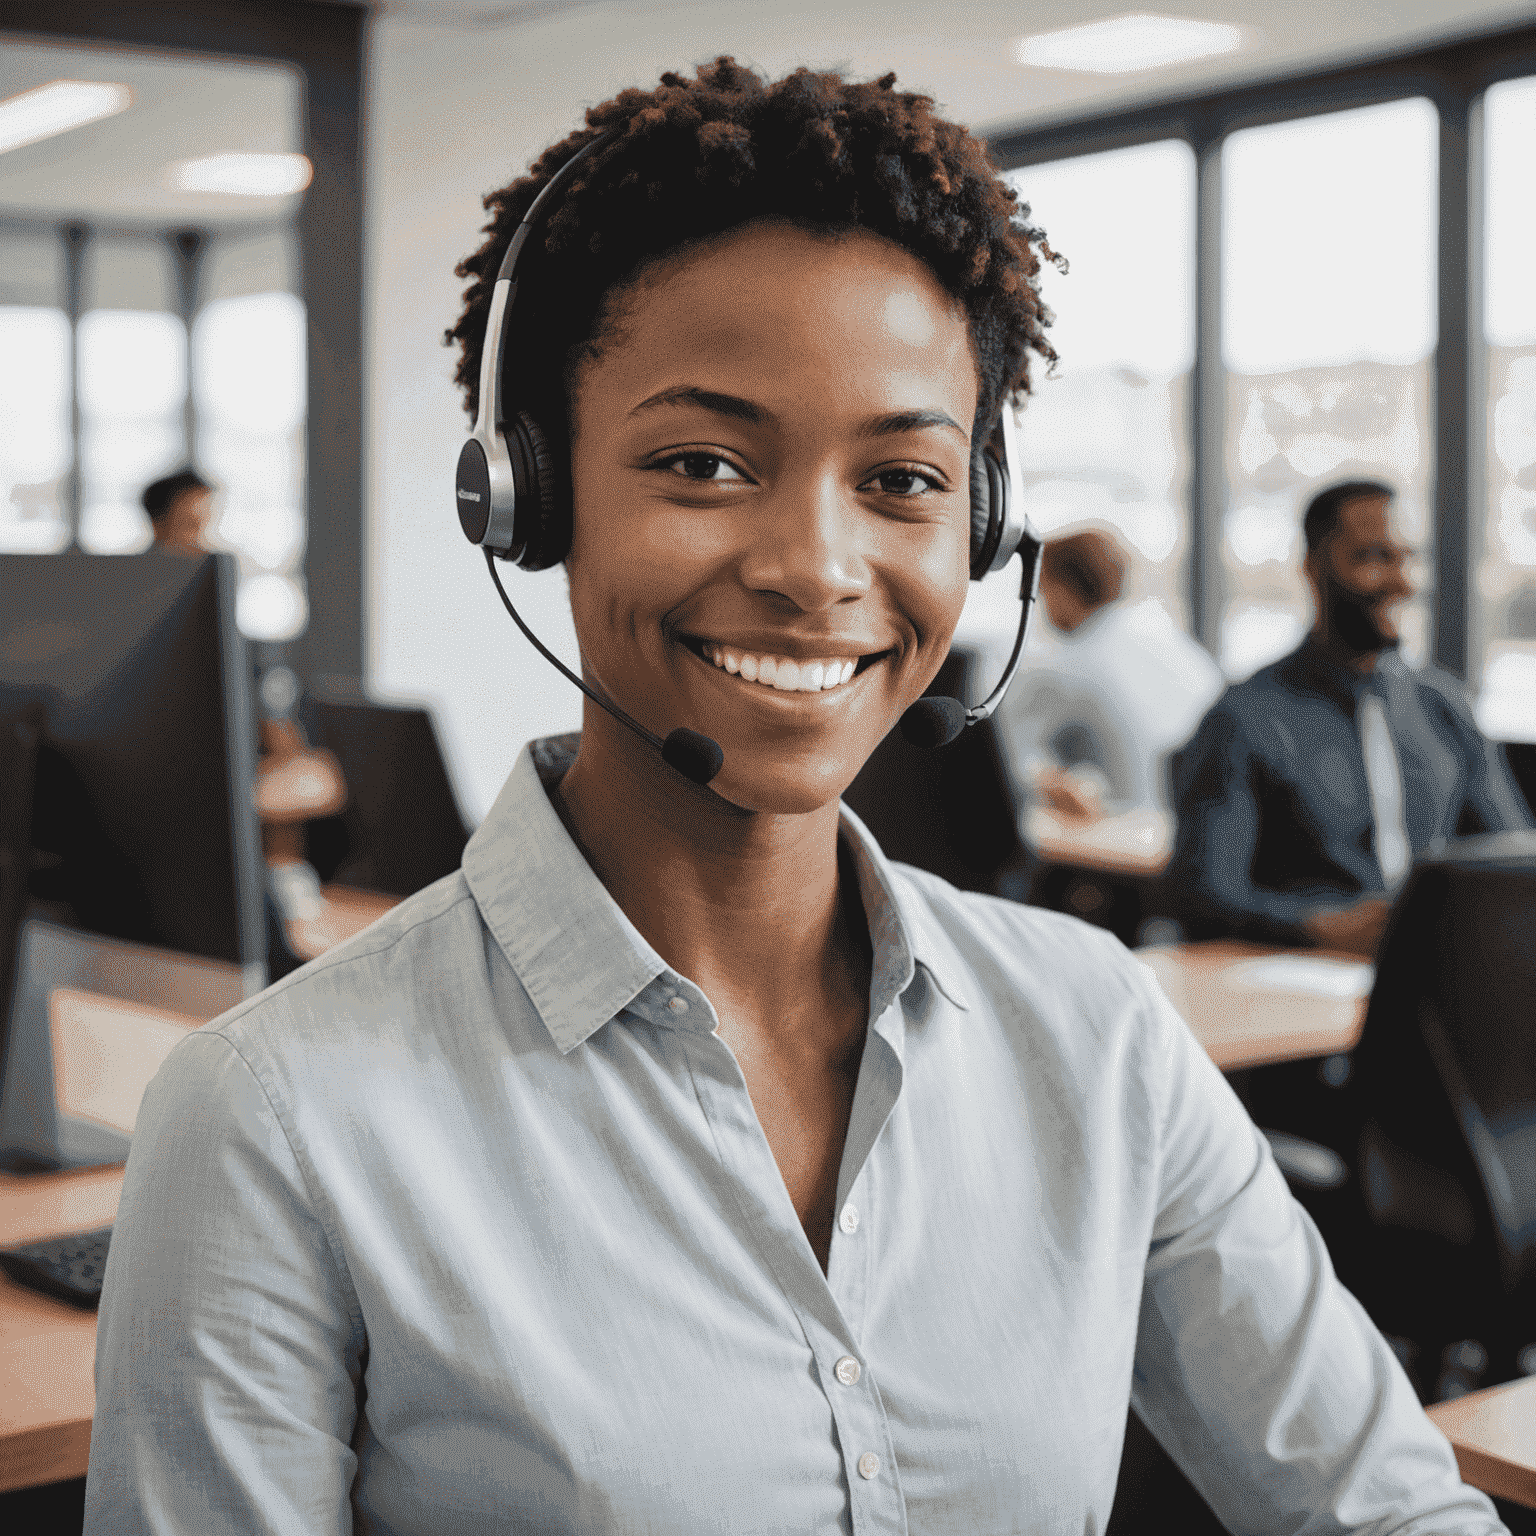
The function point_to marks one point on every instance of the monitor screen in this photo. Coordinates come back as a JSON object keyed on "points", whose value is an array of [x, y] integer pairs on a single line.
{"points": [[143, 823]]}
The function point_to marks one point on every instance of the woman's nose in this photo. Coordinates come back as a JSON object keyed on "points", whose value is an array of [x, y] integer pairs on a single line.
{"points": [[806, 546]]}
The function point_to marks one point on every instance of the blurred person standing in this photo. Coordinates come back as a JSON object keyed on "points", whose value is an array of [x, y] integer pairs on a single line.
{"points": [[1093, 718], [1309, 788]]}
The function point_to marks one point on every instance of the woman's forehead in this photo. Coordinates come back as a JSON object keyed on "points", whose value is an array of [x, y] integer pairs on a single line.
{"points": [[772, 298]]}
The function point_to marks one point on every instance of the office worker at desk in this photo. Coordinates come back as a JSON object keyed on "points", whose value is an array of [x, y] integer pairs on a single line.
{"points": [[680, 1164], [1308, 788], [180, 507], [1101, 710]]}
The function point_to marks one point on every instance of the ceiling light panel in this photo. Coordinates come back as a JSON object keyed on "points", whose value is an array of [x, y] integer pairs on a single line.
{"points": [[1124, 44], [242, 175], [56, 108]]}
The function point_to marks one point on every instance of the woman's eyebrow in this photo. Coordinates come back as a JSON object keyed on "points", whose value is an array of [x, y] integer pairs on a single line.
{"points": [[911, 421], [709, 399]]}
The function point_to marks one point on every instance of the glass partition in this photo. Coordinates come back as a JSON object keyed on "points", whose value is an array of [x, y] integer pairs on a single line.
{"points": [[1328, 326]]}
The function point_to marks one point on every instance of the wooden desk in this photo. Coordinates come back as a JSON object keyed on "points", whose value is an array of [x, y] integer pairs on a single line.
{"points": [[1250, 1005], [47, 1347], [1493, 1433], [1131, 843]]}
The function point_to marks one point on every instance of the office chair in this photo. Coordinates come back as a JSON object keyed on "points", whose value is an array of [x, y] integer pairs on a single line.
{"points": [[1444, 1094], [402, 827], [950, 811]]}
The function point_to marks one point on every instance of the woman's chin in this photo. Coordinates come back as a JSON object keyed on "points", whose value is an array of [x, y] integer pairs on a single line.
{"points": [[779, 788]]}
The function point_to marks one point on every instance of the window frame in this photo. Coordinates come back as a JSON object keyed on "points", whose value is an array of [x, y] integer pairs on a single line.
{"points": [[1453, 76]]}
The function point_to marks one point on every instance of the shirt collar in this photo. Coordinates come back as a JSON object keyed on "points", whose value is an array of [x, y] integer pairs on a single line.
{"points": [[1332, 678], [580, 959]]}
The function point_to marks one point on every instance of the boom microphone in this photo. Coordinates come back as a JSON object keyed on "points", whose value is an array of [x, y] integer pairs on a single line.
{"points": [[936, 721], [694, 755]]}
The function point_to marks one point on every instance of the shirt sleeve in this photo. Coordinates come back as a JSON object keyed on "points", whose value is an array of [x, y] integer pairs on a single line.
{"points": [[1256, 1370], [229, 1352], [1492, 802], [1216, 838]]}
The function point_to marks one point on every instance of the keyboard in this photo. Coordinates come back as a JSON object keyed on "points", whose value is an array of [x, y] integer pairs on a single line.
{"points": [[69, 1267]]}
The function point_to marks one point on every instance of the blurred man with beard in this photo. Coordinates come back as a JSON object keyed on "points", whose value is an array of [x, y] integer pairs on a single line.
{"points": [[1308, 789]]}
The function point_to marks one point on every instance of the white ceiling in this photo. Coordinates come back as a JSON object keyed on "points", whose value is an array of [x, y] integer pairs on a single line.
{"points": [[112, 171], [186, 106], [960, 52]]}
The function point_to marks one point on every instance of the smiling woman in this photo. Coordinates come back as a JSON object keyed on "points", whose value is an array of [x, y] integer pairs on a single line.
{"points": [[681, 1164]]}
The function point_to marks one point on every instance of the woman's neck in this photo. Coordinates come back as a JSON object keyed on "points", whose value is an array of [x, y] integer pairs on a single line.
{"points": [[748, 905]]}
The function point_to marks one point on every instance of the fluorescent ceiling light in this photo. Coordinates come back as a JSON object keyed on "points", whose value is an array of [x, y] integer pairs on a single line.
{"points": [[56, 108], [242, 175], [1126, 43]]}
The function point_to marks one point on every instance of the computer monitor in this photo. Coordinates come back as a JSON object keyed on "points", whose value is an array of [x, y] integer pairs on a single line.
{"points": [[143, 822], [402, 824]]}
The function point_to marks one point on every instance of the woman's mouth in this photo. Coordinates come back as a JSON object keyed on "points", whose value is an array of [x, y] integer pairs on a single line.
{"points": [[784, 674]]}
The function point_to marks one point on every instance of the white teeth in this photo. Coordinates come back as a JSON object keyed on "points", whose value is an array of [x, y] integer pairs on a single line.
{"points": [[782, 673]]}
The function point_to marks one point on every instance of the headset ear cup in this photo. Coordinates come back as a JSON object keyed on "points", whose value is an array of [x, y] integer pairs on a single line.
{"points": [[989, 509], [544, 535]]}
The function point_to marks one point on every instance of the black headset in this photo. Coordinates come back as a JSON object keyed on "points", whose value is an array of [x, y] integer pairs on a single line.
{"points": [[512, 504]]}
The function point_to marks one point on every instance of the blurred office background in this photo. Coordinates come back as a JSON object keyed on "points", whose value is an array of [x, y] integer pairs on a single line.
{"points": [[1302, 254]]}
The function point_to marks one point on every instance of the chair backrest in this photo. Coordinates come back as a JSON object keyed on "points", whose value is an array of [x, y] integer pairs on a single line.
{"points": [[949, 810], [403, 823], [1447, 1060]]}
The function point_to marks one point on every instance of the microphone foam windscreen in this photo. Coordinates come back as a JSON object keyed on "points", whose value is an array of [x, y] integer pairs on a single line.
{"points": [[933, 722], [693, 754]]}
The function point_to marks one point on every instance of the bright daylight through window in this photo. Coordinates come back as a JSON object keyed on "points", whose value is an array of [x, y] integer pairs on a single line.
{"points": [[1328, 326], [1105, 439], [1505, 607]]}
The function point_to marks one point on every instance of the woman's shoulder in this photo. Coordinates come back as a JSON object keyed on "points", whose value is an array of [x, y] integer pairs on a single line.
{"points": [[420, 965]]}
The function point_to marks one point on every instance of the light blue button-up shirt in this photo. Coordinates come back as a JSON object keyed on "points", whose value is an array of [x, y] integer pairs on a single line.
{"points": [[470, 1226]]}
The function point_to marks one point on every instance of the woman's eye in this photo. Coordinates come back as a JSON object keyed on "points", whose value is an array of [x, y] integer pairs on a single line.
{"points": [[703, 466], [903, 482]]}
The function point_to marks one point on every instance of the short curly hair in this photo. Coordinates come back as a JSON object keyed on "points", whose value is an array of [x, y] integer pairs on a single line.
{"points": [[696, 157]]}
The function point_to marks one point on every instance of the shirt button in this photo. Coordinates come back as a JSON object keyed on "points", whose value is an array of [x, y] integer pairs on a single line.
{"points": [[869, 1465], [678, 1005], [847, 1371], [849, 1220]]}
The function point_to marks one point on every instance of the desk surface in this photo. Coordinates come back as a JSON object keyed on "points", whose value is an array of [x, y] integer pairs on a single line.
{"points": [[1493, 1433], [1250, 1005], [1135, 843], [48, 1348]]}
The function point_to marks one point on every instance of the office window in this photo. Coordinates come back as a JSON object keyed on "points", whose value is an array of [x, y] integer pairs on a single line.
{"points": [[35, 447], [1505, 591], [131, 353], [249, 384], [1104, 440], [1328, 326]]}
